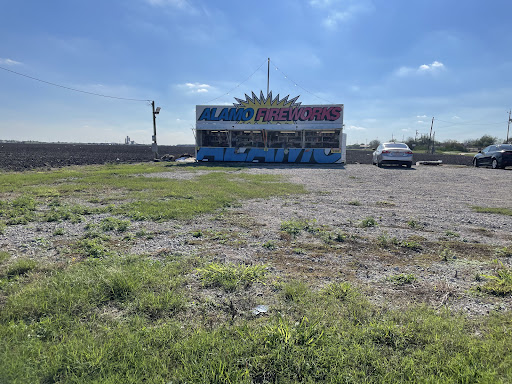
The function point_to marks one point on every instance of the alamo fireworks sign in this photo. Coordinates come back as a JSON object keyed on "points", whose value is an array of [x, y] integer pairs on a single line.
{"points": [[268, 129]]}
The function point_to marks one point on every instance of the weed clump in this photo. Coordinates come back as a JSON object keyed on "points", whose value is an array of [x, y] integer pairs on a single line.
{"points": [[368, 222], [499, 284], [295, 227], [402, 279], [504, 252], [232, 276], [114, 224], [20, 267]]}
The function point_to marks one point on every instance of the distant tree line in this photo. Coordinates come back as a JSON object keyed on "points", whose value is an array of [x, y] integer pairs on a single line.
{"points": [[423, 143]]}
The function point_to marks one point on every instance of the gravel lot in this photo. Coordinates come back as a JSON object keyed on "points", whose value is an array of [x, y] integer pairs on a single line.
{"points": [[428, 205]]}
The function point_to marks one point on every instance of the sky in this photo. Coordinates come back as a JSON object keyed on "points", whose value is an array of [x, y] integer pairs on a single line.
{"points": [[394, 64]]}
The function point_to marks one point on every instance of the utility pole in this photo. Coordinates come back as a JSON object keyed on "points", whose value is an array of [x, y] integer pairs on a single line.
{"points": [[430, 137], [268, 75], [508, 126], [154, 146]]}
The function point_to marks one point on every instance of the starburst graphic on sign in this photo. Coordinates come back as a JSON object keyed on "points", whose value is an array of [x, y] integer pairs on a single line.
{"points": [[265, 102]]}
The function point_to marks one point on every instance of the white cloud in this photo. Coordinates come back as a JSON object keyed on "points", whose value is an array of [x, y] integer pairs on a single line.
{"points": [[195, 87], [9, 62], [433, 68], [422, 117], [341, 11]]}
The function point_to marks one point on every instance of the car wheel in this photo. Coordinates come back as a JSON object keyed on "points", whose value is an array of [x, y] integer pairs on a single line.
{"points": [[379, 165], [494, 164], [475, 163], [409, 165]]}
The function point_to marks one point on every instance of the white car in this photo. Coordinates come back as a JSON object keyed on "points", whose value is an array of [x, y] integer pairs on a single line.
{"points": [[393, 153]]}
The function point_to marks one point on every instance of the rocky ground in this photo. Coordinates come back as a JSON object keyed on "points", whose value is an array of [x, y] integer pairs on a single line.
{"points": [[367, 225]]}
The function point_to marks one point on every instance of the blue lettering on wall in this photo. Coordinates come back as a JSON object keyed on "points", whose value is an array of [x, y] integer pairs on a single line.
{"points": [[271, 155]]}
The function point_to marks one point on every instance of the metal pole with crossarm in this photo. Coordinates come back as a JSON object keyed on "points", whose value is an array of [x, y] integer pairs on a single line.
{"points": [[154, 146]]}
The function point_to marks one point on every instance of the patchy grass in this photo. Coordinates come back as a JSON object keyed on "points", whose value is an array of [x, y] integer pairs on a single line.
{"points": [[451, 234], [4, 256], [496, 210], [99, 315], [354, 203], [139, 328], [114, 224], [270, 245], [59, 231], [138, 197], [402, 279], [368, 222], [414, 224], [231, 276], [499, 284], [296, 226], [504, 252], [20, 267]]}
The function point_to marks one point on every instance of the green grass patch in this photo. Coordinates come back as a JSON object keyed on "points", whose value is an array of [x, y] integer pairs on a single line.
{"points": [[4, 256], [59, 232], [20, 267], [92, 247], [402, 279], [294, 290], [497, 210], [131, 320], [139, 197], [270, 245], [414, 224], [295, 226], [232, 276], [504, 252], [368, 222], [499, 284], [114, 224]]}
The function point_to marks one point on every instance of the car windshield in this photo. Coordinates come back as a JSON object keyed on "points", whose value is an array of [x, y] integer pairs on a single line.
{"points": [[506, 147], [395, 145]]}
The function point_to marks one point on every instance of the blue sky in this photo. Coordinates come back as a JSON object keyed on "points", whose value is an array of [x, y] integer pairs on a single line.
{"points": [[393, 64]]}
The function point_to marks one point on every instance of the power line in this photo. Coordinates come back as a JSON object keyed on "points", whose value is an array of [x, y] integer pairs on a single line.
{"points": [[227, 93], [72, 89], [298, 85]]}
